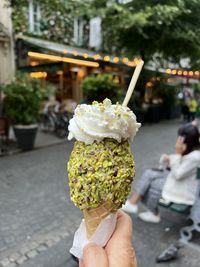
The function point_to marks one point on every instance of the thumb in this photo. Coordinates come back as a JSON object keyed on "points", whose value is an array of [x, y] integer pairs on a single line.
{"points": [[94, 256]]}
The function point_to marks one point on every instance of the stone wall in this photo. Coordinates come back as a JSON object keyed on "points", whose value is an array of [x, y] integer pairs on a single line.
{"points": [[7, 66]]}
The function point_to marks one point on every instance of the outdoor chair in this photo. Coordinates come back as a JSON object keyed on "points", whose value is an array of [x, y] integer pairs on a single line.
{"points": [[4, 132], [186, 232]]}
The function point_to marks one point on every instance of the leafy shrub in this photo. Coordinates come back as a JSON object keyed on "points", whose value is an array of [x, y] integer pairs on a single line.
{"points": [[23, 99], [100, 87]]}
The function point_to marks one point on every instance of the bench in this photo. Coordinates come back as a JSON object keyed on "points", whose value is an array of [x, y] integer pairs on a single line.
{"points": [[186, 232], [193, 213], [180, 208]]}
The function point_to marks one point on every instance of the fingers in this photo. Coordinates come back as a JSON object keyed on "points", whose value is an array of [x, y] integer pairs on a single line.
{"points": [[166, 157], [94, 256], [123, 229], [119, 248]]}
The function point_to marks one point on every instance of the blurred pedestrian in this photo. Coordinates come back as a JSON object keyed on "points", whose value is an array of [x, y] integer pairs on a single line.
{"points": [[192, 105], [185, 111], [178, 185], [185, 104]]}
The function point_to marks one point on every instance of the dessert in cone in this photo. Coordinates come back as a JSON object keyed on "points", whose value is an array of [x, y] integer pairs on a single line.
{"points": [[101, 166], [94, 216]]}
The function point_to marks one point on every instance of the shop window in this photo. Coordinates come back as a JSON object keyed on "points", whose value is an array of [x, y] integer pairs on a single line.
{"points": [[34, 17], [78, 30]]}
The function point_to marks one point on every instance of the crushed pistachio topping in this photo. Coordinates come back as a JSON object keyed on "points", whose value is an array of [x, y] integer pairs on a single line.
{"points": [[102, 171]]}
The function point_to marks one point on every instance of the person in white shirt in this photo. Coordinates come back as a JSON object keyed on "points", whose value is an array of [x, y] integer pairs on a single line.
{"points": [[177, 185]]}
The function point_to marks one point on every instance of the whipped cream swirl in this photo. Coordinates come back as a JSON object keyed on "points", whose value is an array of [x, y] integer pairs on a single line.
{"points": [[102, 120]]}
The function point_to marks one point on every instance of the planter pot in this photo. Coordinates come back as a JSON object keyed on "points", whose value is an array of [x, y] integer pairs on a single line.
{"points": [[140, 114], [25, 135], [153, 114], [173, 112]]}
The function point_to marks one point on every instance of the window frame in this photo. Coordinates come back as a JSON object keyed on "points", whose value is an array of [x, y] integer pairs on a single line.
{"points": [[34, 23]]}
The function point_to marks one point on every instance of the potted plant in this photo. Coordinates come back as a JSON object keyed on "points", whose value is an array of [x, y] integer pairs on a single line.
{"points": [[22, 104]]}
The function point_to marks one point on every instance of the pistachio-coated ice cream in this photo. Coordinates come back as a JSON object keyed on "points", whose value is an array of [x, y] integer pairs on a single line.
{"points": [[99, 172]]}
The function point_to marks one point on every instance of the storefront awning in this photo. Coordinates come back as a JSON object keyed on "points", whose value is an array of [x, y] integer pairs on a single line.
{"points": [[50, 67], [47, 48]]}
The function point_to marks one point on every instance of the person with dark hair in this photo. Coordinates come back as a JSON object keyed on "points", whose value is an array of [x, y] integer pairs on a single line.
{"points": [[175, 180]]}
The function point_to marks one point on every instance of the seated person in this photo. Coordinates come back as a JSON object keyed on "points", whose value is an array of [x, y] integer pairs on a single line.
{"points": [[177, 185]]}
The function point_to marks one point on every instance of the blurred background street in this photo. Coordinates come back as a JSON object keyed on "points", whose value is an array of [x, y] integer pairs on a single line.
{"points": [[38, 220]]}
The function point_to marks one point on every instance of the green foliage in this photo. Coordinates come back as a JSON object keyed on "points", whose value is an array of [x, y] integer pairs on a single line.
{"points": [[57, 18], [100, 87], [196, 88], [169, 28], [168, 93], [23, 99]]}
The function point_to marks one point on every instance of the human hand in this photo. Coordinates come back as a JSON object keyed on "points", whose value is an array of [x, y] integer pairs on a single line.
{"points": [[166, 158], [180, 146], [118, 252]]}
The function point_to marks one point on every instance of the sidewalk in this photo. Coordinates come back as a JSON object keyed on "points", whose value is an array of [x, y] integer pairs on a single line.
{"points": [[38, 220], [42, 140]]}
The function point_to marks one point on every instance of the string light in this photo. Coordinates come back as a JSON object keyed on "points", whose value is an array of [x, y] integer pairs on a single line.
{"points": [[174, 72], [131, 63], [125, 60], [106, 58], [180, 72], [137, 61], [149, 84], [85, 55], [34, 63], [63, 59], [168, 71], [96, 57], [38, 75], [115, 59], [191, 73]]}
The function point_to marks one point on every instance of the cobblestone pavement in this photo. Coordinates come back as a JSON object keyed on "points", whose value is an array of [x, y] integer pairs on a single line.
{"points": [[37, 219]]}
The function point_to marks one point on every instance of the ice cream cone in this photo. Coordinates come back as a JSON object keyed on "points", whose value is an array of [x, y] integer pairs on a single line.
{"points": [[94, 216]]}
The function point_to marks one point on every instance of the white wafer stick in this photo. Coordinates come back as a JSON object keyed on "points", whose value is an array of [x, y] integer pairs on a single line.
{"points": [[133, 82]]}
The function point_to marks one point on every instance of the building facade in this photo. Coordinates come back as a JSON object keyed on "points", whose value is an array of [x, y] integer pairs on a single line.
{"points": [[62, 46], [7, 66]]}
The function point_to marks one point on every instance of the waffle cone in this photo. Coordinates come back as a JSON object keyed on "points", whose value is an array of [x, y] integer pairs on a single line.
{"points": [[94, 216]]}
